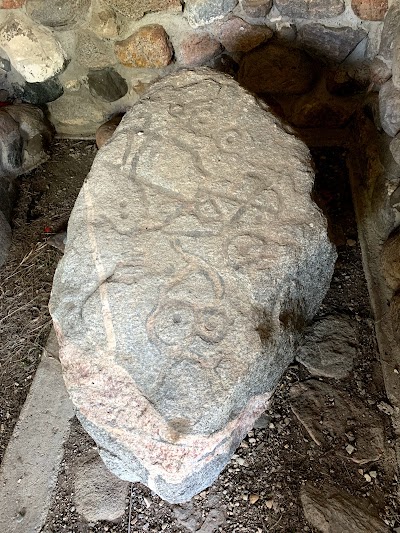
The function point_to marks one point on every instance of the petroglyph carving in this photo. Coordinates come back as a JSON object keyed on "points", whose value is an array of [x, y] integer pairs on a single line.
{"points": [[193, 235]]}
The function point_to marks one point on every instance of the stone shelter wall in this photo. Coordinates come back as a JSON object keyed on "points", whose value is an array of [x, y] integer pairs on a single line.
{"points": [[88, 60]]}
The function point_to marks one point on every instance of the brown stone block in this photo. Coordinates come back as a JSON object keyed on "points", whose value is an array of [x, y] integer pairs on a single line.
{"points": [[11, 4], [370, 9], [149, 47]]}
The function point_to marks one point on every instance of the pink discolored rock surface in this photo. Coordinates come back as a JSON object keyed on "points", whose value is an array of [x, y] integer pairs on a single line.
{"points": [[196, 49]]}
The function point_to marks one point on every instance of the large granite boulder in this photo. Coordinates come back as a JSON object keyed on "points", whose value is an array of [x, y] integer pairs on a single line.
{"points": [[194, 257]]}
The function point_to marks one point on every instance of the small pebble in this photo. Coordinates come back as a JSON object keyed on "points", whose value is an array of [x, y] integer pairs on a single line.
{"points": [[254, 498], [147, 501], [351, 242], [373, 473], [385, 408], [269, 504], [350, 449], [367, 478]]}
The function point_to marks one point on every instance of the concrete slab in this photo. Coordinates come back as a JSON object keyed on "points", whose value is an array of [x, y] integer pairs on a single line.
{"points": [[28, 474]]}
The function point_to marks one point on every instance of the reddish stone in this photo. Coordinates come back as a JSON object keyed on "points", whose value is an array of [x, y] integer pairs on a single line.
{"points": [[197, 49], [370, 9], [11, 4], [236, 35], [106, 130], [149, 47]]}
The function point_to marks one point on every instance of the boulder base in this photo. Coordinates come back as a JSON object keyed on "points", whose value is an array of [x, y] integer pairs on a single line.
{"points": [[194, 257]]}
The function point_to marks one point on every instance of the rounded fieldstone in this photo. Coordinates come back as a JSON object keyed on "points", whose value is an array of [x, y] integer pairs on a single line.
{"points": [[314, 112], [148, 47], [98, 495], [107, 84], [396, 62], [93, 52], [380, 73], [329, 347], [77, 113], [370, 9], [197, 49], [395, 316], [136, 9], [389, 32], [33, 50], [58, 14], [35, 130], [310, 9], [256, 8], [106, 130], [11, 144], [389, 108], [41, 93], [203, 12], [104, 23], [237, 35], [330, 44], [277, 69], [390, 260], [395, 149]]}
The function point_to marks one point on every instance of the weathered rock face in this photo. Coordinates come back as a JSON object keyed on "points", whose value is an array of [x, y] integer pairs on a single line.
{"points": [[186, 278], [202, 12], [389, 108], [330, 44], [32, 49], [310, 8], [370, 9], [331, 510], [148, 47], [59, 14]]}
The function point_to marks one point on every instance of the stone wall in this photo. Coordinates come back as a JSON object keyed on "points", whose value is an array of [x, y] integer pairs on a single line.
{"points": [[90, 59]]}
